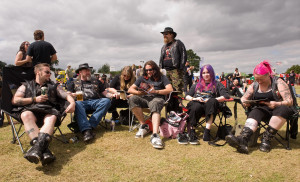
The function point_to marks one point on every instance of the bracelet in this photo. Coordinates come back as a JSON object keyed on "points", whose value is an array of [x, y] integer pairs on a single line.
{"points": [[33, 100]]}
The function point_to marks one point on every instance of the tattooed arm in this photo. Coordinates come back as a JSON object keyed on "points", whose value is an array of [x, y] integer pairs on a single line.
{"points": [[285, 93], [247, 95], [63, 94], [19, 99]]}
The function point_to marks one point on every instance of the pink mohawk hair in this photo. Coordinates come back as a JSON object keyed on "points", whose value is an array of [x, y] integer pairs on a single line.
{"points": [[263, 68]]}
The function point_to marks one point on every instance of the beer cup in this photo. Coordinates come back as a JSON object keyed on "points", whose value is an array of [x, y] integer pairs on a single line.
{"points": [[79, 95], [44, 91], [122, 96]]}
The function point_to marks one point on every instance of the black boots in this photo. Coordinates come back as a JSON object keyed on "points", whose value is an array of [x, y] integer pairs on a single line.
{"points": [[88, 135], [39, 150], [268, 135], [240, 142], [206, 135]]}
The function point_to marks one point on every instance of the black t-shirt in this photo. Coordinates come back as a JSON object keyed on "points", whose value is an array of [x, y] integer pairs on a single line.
{"points": [[220, 91], [116, 84], [167, 63], [158, 85], [89, 89], [41, 52]]}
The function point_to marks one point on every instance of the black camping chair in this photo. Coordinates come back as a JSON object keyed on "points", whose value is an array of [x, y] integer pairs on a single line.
{"points": [[12, 80]]}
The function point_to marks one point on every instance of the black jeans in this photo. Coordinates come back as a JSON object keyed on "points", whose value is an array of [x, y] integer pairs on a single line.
{"points": [[197, 109]]}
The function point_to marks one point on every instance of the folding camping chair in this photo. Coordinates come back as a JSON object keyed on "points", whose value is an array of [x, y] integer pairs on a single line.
{"points": [[12, 79], [223, 113], [147, 113]]}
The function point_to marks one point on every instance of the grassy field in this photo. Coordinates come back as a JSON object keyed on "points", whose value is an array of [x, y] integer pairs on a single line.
{"points": [[118, 156]]}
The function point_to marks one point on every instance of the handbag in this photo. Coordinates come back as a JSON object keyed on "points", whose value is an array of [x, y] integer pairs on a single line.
{"points": [[174, 124], [223, 131]]}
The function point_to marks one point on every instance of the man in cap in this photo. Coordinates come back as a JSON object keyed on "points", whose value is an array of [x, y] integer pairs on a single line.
{"points": [[173, 58], [94, 99]]}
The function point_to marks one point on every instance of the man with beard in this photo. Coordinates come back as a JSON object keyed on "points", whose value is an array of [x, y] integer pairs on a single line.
{"points": [[37, 108], [93, 93], [173, 58]]}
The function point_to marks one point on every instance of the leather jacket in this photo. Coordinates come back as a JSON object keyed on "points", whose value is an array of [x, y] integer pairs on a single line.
{"points": [[178, 53]]}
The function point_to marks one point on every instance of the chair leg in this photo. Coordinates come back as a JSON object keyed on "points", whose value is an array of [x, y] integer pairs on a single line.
{"points": [[64, 138], [15, 134]]}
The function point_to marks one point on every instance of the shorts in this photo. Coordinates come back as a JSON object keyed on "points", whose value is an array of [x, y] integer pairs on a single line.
{"points": [[155, 104], [264, 113]]}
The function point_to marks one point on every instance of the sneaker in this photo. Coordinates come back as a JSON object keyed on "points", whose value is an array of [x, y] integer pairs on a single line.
{"points": [[193, 139], [156, 141], [143, 130], [182, 138]]}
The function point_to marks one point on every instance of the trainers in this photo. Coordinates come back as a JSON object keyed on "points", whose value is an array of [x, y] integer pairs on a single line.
{"points": [[182, 138], [156, 141], [193, 139], [143, 130]]}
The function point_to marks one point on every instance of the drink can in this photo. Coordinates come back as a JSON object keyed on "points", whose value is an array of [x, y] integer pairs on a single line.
{"points": [[73, 139], [44, 90], [79, 96]]}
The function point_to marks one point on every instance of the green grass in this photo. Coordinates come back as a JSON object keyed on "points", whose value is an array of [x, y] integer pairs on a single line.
{"points": [[118, 156]]}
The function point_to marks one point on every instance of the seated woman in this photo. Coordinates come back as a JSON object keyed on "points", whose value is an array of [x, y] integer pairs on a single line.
{"points": [[120, 82], [275, 108], [205, 97], [149, 91]]}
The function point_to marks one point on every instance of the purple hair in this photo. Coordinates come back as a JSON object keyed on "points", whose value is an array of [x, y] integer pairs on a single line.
{"points": [[201, 84]]}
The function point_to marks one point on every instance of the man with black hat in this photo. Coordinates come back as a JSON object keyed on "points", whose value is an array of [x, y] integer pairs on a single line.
{"points": [[94, 99], [173, 58]]}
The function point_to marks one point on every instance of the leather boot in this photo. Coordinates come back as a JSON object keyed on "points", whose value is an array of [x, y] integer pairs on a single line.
{"points": [[206, 135], [268, 135], [48, 157], [35, 153], [240, 142]]}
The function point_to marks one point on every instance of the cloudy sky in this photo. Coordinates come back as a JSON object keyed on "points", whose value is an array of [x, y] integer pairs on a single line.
{"points": [[226, 33]]}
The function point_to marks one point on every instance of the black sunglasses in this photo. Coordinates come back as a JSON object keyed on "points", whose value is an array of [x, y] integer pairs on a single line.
{"points": [[47, 72], [148, 70]]}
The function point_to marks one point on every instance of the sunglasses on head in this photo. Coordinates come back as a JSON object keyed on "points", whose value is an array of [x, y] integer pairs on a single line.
{"points": [[148, 70]]}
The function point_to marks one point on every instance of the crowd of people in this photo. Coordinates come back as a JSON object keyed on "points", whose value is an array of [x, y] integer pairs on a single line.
{"points": [[143, 87]]}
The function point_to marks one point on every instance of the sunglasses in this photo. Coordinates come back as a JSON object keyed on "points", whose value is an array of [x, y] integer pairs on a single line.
{"points": [[47, 72], [148, 70], [27, 44]]}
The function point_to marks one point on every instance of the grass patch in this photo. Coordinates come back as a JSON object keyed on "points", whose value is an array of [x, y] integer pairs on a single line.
{"points": [[118, 156]]}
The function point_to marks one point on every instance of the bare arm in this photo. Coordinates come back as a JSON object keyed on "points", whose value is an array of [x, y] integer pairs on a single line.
{"points": [[133, 90], [18, 99], [247, 95], [18, 59], [28, 59], [53, 58], [285, 93], [165, 91]]}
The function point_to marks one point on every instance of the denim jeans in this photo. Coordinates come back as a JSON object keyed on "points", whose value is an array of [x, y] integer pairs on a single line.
{"points": [[99, 106]]}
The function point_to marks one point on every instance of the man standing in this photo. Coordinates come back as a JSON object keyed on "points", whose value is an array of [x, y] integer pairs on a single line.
{"points": [[38, 108], [188, 76], [173, 58], [94, 99], [40, 51], [69, 74]]}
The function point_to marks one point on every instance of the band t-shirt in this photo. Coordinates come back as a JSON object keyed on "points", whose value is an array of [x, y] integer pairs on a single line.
{"points": [[292, 78], [89, 90], [167, 63], [158, 85], [41, 52]]}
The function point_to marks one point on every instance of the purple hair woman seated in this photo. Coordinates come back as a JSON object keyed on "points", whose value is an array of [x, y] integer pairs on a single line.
{"points": [[275, 109], [205, 97]]}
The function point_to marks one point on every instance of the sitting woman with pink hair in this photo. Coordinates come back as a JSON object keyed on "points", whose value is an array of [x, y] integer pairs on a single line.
{"points": [[274, 108]]}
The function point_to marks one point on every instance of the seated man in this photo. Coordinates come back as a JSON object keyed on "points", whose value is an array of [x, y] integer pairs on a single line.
{"points": [[236, 89], [37, 108], [151, 97], [94, 93]]}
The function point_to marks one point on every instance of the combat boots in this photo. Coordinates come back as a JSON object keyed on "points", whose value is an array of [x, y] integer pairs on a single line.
{"points": [[268, 135], [240, 142], [39, 146]]}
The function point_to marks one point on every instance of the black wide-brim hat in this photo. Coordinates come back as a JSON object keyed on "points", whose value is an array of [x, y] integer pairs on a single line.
{"points": [[83, 66], [169, 30]]}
